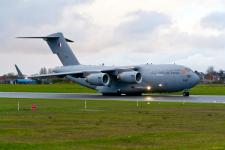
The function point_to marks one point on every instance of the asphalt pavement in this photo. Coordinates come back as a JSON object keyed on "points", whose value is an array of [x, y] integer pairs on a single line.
{"points": [[87, 96]]}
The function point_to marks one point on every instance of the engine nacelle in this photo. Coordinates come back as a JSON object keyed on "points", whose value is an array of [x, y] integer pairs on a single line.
{"points": [[98, 79], [130, 77]]}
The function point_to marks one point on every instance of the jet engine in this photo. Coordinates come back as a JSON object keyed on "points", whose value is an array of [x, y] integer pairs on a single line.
{"points": [[130, 77], [98, 79]]}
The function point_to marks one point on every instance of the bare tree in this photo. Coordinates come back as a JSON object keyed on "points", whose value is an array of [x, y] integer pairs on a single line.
{"points": [[50, 70], [10, 76], [43, 70], [210, 70]]}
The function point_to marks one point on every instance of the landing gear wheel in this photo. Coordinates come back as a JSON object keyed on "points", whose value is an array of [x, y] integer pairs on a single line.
{"points": [[186, 94]]}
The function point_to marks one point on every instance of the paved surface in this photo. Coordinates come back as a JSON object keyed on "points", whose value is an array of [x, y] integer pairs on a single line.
{"points": [[192, 98]]}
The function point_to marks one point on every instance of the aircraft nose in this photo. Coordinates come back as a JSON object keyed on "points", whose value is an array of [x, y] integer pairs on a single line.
{"points": [[196, 78]]}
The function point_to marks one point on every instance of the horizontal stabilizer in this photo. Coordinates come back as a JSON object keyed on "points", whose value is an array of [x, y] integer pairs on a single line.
{"points": [[44, 37]]}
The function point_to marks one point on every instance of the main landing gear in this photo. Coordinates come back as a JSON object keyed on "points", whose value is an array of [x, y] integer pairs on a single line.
{"points": [[186, 93], [133, 94]]}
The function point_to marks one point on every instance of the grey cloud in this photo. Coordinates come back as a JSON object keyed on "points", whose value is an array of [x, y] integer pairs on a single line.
{"points": [[78, 32], [214, 20], [23, 16], [143, 22], [16, 14], [192, 41], [213, 42], [139, 32]]}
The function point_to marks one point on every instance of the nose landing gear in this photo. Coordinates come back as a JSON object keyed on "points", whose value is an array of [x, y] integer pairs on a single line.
{"points": [[186, 93]]}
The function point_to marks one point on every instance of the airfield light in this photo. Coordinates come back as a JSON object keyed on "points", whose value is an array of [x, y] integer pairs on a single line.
{"points": [[160, 85], [148, 88], [85, 104], [18, 106], [148, 99]]}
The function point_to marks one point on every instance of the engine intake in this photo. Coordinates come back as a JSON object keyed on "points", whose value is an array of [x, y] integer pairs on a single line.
{"points": [[130, 77], [98, 79]]}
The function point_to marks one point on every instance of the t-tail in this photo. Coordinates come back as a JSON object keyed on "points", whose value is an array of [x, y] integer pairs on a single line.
{"points": [[60, 47], [20, 75]]}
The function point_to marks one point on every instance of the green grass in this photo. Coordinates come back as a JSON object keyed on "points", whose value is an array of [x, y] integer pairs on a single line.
{"points": [[64, 124], [202, 89], [208, 89]]}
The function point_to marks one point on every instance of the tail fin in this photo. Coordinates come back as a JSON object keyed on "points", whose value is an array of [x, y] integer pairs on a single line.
{"points": [[59, 46], [20, 75]]}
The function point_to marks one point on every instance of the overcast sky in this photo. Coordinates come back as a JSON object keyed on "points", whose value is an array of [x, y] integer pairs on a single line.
{"points": [[114, 32]]}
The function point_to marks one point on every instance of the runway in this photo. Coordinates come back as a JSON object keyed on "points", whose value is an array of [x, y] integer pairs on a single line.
{"points": [[87, 96]]}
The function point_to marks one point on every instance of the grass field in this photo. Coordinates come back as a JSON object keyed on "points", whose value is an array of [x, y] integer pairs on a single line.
{"points": [[65, 124], [202, 89], [208, 89]]}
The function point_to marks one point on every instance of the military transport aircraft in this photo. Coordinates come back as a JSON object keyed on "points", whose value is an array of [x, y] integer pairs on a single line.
{"points": [[112, 80]]}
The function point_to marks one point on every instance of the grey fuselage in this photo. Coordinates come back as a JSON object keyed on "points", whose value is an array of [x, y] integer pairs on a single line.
{"points": [[155, 78]]}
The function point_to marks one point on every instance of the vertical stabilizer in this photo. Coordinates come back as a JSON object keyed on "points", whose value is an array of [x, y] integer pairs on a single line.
{"points": [[60, 47], [20, 75]]}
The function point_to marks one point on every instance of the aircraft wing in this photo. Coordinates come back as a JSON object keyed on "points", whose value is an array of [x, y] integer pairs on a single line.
{"points": [[61, 74], [82, 74], [117, 70]]}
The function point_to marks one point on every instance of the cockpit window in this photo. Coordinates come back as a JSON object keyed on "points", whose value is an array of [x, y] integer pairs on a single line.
{"points": [[189, 70], [185, 71]]}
